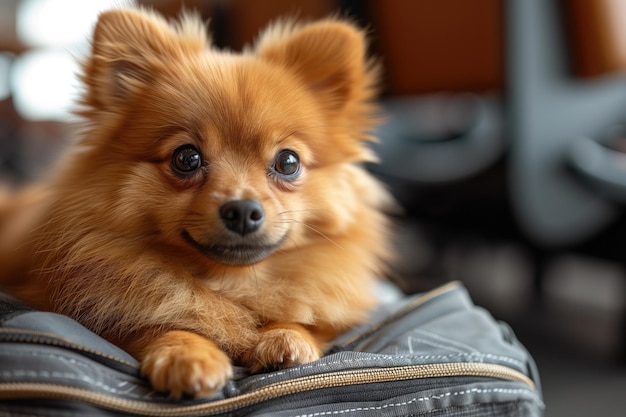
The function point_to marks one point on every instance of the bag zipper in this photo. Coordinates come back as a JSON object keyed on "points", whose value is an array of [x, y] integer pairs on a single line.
{"points": [[266, 393], [35, 390]]}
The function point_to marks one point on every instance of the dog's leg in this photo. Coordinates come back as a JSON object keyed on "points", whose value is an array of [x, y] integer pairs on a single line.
{"points": [[282, 345], [181, 362]]}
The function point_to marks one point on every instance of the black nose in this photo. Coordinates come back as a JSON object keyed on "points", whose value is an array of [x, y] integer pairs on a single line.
{"points": [[242, 216]]}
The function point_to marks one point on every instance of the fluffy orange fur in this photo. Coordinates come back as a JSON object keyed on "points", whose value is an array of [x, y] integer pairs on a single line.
{"points": [[126, 235]]}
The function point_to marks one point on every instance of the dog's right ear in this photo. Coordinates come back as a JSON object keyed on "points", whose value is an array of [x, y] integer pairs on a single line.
{"points": [[128, 47]]}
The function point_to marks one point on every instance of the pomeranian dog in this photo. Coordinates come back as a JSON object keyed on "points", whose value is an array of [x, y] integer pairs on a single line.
{"points": [[215, 210]]}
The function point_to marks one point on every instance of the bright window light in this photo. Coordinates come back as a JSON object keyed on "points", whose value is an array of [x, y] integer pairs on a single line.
{"points": [[43, 81], [45, 84], [59, 22]]}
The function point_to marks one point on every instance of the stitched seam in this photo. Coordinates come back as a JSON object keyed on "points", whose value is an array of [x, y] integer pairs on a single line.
{"points": [[432, 343], [43, 374], [21, 373], [68, 359], [415, 400], [465, 347]]}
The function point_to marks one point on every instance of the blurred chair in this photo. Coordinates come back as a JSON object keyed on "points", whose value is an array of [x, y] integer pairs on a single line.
{"points": [[537, 84]]}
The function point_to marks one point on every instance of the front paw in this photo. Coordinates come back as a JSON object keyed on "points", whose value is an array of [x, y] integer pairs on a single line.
{"points": [[181, 362], [282, 346]]}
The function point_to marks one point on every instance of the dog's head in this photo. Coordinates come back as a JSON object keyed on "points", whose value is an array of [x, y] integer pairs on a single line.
{"points": [[231, 156]]}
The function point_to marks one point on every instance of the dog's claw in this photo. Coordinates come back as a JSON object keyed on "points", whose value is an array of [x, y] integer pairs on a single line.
{"points": [[191, 365], [282, 348]]}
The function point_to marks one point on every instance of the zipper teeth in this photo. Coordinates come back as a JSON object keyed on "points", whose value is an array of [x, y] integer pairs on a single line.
{"points": [[272, 391]]}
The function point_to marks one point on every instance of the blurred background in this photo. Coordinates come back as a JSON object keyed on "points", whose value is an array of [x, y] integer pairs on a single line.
{"points": [[505, 142]]}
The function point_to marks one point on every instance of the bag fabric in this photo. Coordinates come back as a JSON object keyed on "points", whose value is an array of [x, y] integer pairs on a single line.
{"points": [[432, 354]]}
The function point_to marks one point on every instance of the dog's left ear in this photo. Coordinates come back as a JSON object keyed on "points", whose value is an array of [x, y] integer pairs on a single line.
{"points": [[129, 46], [329, 55]]}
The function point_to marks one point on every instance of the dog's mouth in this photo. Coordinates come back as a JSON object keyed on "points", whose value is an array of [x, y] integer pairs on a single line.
{"points": [[234, 254]]}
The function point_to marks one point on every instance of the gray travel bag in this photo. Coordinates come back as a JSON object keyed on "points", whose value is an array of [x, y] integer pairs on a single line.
{"points": [[432, 354]]}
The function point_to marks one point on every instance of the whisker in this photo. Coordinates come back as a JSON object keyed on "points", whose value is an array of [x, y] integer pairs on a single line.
{"points": [[295, 244], [296, 211], [308, 226]]}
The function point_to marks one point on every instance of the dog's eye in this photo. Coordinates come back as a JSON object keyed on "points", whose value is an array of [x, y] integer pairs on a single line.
{"points": [[287, 164], [186, 159]]}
